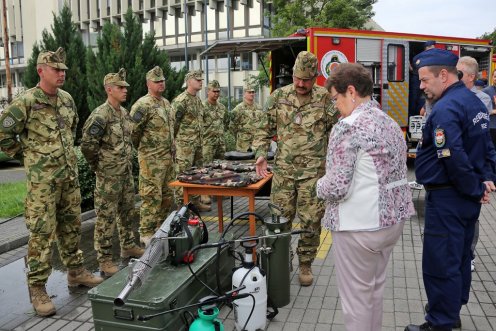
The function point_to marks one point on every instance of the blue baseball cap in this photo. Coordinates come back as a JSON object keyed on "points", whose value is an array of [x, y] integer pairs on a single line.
{"points": [[429, 43], [435, 57], [480, 82]]}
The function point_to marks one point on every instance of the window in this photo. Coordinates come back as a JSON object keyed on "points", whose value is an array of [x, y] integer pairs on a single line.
{"points": [[395, 63], [238, 93]]}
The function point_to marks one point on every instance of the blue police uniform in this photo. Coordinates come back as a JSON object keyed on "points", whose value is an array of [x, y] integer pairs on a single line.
{"points": [[454, 159]]}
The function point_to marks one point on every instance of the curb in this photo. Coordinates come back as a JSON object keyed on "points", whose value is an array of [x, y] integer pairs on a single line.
{"points": [[21, 238]]}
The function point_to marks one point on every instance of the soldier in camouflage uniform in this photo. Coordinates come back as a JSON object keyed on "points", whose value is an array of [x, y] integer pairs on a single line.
{"points": [[245, 119], [106, 145], [187, 111], [40, 125], [301, 115], [152, 137], [215, 122]]}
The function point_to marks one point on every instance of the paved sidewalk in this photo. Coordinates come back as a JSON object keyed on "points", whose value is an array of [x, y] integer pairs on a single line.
{"points": [[317, 307]]}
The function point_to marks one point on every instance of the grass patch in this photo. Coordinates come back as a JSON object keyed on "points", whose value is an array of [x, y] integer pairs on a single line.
{"points": [[12, 198]]}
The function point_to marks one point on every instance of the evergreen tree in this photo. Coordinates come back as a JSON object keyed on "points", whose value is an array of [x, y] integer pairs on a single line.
{"points": [[64, 33], [126, 48]]}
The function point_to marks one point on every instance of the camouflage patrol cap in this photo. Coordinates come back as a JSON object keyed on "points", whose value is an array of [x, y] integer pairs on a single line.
{"points": [[155, 75], [196, 74], [306, 65], [214, 85], [53, 59], [249, 88], [117, 79]]}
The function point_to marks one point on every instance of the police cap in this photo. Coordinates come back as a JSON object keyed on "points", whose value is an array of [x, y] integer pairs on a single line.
{"points": [[435, 57]]}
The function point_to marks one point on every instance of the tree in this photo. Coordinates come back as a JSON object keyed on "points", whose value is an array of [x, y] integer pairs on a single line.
{"points": [[289, 16], [126, 48], [491, 36], [64, 33]]}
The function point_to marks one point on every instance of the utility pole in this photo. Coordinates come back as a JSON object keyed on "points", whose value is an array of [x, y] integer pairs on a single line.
{"points": [[205, 12], [228, 10], [185, 13], [6, 50]]}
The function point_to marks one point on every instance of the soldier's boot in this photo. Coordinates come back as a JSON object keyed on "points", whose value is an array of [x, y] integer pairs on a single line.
{"points": [[81, 276], [203, 207], [134, 251], [146, 240], [205, 199], [306, 276], [108, 268], [42, 303]]}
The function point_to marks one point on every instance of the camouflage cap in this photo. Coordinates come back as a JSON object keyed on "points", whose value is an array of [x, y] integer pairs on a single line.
{"points": [[53, 59], [196, 74], [117, 79], [214, 85], [249, 88], [306, 65], [155, 75]]}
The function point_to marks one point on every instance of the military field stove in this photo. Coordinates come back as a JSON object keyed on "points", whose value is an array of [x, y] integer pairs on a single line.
{"points": [[180, 269]]}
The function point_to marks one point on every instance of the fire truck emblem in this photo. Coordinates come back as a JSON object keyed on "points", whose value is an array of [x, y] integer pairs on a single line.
{"points": [[330, 61]]}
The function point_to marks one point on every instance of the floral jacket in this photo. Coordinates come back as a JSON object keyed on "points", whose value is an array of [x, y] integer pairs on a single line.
{"points": [[365, 185]]}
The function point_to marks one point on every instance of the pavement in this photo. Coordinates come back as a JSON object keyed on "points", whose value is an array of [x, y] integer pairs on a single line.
{"points": [[316, 307]]}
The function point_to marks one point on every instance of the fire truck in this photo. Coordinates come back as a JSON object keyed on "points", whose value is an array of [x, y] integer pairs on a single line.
{"points": [[388, 56]]}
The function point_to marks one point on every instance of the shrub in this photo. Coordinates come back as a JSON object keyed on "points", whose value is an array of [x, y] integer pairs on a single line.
{"points": [[87, 179]]}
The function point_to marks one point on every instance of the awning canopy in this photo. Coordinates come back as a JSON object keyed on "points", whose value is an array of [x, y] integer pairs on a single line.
{"points": [[237, 46]]}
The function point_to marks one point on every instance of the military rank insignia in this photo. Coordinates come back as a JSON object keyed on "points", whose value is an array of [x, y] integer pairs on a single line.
{"points": [[439, 137], [441, 153]]}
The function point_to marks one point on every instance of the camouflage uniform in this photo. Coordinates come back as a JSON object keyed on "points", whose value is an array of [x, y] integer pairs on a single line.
{"points": [[107, 146], [188, 114], [215, 122], [152, 137], [43, 129], [245, 120], [302, 131]]}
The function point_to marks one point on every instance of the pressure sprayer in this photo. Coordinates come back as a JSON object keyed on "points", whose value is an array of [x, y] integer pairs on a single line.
{"points": [[276, 257], [250, 314], [207, 312]]}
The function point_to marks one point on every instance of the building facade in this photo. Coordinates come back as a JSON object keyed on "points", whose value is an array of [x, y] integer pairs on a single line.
{"points": [[26, 20], [183, 28]]}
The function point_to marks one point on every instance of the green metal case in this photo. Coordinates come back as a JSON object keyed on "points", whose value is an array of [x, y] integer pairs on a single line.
{"points": [[167, 287]]}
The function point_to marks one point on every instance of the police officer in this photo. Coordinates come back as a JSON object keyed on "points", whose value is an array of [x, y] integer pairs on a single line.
{"points": [[301, 115], [454, 166], [152, 137], [187, 111], [106, 145], [245, 119], [41, 126]]}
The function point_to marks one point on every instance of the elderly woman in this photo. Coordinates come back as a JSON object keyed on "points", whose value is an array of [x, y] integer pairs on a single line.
{"points": [[366, 192]]}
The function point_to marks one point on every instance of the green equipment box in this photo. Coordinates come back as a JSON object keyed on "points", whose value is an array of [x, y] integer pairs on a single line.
{"points": [[167, 287]]}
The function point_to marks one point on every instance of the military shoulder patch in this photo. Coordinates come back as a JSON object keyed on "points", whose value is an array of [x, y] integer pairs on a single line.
{"points": [[439, 137], [137, 116], [441, 153], [8, 122], [96, 130]]}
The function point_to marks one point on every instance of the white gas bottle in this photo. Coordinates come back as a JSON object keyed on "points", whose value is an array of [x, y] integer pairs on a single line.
{"points": [[255, 284]]}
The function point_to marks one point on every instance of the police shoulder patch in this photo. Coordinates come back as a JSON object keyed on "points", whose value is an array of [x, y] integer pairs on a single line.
{"points": [[439, 137], [8, 122]]}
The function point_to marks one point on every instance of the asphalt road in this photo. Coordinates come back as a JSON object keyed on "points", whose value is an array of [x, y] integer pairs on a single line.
{"points": [[11, 172]]}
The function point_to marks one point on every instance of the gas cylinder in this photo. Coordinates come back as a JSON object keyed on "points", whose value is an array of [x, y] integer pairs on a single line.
{"points": [[207, 320], [250, 313], [275, 256]]}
